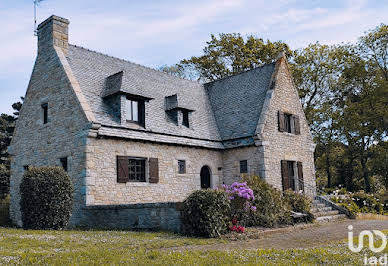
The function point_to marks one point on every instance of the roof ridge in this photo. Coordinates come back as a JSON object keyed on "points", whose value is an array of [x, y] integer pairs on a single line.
{"points": [[243, 72], [146, 67]]}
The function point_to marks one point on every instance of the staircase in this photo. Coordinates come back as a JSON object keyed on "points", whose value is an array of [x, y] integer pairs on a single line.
{"points": [[325, 213], [323, 209]]}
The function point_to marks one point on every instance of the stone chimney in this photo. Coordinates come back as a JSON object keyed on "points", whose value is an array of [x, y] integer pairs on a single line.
{"points": [[53, 32]]}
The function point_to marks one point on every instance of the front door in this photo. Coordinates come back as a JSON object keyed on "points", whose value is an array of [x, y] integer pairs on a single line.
{"points": [[205, 177]]}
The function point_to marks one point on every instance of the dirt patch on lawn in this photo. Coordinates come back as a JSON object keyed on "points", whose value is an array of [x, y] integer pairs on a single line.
{"points": [[297, 237]]}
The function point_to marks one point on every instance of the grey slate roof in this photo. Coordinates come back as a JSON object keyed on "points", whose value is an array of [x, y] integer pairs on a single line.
{"points": [[223, 110], [237, 101]]}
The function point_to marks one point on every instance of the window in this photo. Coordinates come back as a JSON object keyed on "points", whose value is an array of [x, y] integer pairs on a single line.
{"points": [[26, 167], [243, 166], [185, 120], [292, 175], [181, 166], [133, 169], [64, 163], [135, 111], [137, 170], [45, 113], [287, 123]]}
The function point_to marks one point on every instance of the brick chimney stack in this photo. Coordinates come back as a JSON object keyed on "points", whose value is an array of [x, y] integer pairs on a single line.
{"points": [[53, 32]]}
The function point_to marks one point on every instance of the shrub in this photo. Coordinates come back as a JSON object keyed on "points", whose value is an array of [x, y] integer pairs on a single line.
{"points": [[241, 198], [4, 212], [206, 213], [4, 182], [367, 202], [299, 203], [46, 198], [351, 206], [271, 209], [360, 202]]}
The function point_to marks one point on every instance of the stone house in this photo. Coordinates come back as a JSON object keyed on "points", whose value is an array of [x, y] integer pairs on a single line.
{"points": [[136, 141]]}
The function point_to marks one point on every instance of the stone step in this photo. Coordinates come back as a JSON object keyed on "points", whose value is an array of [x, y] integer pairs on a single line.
{"points": [[321, 209], [327, 213], [319, 205], [330, 218]]}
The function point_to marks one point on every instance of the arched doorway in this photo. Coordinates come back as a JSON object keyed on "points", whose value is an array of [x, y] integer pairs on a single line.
{"points": [[205, 177]]}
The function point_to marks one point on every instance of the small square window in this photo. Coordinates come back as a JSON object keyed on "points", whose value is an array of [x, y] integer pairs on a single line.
{"points": [[64, 163], [181, 166], [243, 166], [45, 113]]}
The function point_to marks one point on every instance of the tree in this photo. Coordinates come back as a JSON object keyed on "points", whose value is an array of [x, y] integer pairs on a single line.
{"points": [[230, 54], [7, 126]]}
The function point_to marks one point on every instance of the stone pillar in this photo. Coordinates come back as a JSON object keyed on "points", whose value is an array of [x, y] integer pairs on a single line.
{"points": [[53, 32]]}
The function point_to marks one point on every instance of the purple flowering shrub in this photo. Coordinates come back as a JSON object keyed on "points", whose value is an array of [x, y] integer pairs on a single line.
{"points": [[241, 198]]}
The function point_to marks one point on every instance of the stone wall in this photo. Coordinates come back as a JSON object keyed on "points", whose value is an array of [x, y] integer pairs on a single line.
{"points": [[101, 176], [282, 145], [231, 162], [65, 134], [154, 216]]}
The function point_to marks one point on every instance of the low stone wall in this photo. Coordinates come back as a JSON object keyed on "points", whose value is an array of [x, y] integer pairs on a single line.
{"points": [[153, 216]]}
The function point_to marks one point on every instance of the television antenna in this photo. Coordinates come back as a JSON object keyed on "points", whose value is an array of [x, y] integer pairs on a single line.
{"points": [[36, 3]]}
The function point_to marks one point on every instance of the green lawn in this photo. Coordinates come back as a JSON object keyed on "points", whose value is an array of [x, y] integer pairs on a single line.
{"points": [[142, 248]]}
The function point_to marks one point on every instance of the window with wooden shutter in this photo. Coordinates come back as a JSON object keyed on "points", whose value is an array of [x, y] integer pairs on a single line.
{"points": [[300, 176], [285, 177], [154, 170], [281, 121], [122, 169], [296, 124]]}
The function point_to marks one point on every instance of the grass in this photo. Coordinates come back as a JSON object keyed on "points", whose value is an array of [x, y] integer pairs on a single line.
{"points": [[145, 248]]}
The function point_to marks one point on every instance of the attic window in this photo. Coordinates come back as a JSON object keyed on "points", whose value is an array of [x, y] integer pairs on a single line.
{"points": [[135, 111]]}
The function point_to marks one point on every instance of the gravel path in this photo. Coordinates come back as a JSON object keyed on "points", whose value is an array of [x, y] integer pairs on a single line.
{"points": [[313, 236]]}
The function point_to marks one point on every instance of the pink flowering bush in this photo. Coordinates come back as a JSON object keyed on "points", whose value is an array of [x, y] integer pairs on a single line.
{"points": [[241, 198]]}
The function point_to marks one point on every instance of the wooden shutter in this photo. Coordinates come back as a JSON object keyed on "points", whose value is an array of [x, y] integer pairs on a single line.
{"points": [[296, 124], [281, 121], [300, 176], [122, 169], [154, 170], [285, 177]]}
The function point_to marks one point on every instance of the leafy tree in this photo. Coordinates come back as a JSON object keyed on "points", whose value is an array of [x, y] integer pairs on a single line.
{"points": [[230, 54]]}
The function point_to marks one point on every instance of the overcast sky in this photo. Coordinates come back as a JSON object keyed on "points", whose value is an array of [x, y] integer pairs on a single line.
{"points": [[154, 33]]}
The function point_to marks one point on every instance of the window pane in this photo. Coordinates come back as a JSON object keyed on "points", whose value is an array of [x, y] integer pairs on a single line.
{"points": [[135, 108], [129, 110], [244, 166]]}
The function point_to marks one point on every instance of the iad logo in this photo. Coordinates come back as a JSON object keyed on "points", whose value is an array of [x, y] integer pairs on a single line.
{"points": [[372, 260], [370, 238]]}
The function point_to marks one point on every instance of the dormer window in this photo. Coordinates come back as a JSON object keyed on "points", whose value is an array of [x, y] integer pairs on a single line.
{"points": [[135, 111]]}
